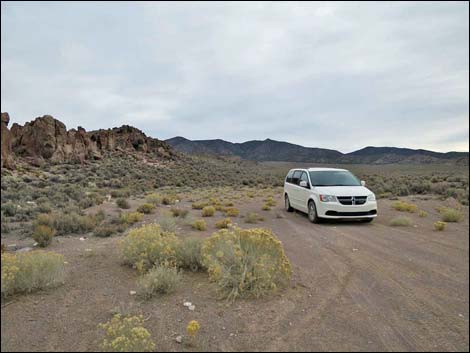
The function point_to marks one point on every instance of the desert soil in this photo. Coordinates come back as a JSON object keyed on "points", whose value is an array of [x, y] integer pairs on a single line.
{"points": [[356, 286]]}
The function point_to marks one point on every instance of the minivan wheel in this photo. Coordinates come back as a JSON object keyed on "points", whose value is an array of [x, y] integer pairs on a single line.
{"points": [[288, 207], [312, 212]]}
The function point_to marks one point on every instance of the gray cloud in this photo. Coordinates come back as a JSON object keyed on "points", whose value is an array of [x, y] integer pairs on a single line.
{"points": [[333, 75]]}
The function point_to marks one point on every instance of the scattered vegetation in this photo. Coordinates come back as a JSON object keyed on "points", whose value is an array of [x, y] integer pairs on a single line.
{"points": [[401, 221], [32, 271], [246, 262], [405, 206], [126, 334], [422, 214], [253, 217]]}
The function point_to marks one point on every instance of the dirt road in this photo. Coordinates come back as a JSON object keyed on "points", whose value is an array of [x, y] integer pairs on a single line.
{"points": [[356, 286]]}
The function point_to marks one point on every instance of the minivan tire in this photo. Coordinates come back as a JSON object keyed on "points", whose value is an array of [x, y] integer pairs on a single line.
{"points": [[287, 205], [312, 212]]}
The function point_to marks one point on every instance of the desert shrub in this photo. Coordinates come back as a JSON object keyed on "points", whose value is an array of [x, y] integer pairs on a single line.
{"points": [[232, 212], [401, 221], [28, 272], [146, 208], [208, 211], [422, 214], [126, 334], [9, 209], [178, 212], [223, 223], [246, 262], [199, 205], [121, 193], [108, 229], [169, 199], [123, 203], [43, 235], [266, 207], [440, 226], [253, 217], [159, 280], [67, 223], [154, 199], [149, 246], [450, 215], [199, 224], [167, 222], [404, 206], [189, 254], [131, 217], [270, 202]]}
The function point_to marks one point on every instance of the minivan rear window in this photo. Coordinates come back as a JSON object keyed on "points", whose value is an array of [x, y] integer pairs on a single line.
{"points": [[289, 176]]}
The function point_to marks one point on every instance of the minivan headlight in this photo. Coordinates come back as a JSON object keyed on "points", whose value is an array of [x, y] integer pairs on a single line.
{"points": [[371, 197], [327, 198]]}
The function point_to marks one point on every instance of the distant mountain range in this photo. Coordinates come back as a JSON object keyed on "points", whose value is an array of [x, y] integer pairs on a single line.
{"points": [[272, 150]]}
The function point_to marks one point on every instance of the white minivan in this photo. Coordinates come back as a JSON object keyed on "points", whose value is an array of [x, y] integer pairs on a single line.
{"points": [[329, 193]]}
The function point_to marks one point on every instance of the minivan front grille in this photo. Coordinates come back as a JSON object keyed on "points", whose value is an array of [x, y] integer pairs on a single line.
{"points": [[352, 200]]}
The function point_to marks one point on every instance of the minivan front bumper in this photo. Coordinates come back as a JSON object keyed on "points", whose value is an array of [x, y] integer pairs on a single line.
{"points": [[335, 210]]}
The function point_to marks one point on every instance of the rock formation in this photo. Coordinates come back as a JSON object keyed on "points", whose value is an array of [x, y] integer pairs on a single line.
{"points": [[6, 142], [47, 139]]}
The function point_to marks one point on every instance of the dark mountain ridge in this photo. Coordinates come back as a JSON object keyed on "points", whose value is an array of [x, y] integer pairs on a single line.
{"points": [[272, 150]]}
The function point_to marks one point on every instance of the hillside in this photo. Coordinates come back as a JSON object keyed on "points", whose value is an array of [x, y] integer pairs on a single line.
{"points": [[271, 150]]}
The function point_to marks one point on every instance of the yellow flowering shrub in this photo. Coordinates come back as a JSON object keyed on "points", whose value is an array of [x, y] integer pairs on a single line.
{"points": [[193, 328], [223, 223], [208, 211], [131, 217], [28, 272], [199, 224], [147, 246], [246, 262], [126, 334], [232, 212], [440, 226], [405, 206]]}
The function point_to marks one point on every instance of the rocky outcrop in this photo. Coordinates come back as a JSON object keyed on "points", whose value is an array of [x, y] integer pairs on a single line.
{"points": [[46, 139], [6, 142]]}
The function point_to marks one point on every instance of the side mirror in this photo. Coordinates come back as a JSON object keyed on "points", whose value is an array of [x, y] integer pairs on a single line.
{"points": [[303, 183], [363, 183]]}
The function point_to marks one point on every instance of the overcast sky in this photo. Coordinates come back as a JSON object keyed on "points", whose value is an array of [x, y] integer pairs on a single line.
{"points": [[332, 75]]}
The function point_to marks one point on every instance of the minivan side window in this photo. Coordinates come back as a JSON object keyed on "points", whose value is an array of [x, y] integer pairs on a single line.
{"points": [[289, 176], [304, 177], [296, 177]]}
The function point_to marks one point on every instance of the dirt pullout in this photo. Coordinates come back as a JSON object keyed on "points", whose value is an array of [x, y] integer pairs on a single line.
{"points": [[356, 286]]}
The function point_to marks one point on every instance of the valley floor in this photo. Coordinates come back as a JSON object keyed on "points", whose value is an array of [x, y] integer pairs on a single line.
{"points": [[356, 286]]}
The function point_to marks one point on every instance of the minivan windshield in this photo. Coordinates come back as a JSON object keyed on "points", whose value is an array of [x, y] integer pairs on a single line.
{"points": [[333, 178]]}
